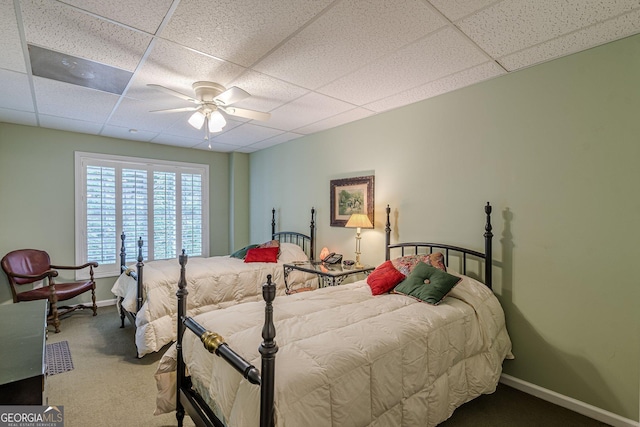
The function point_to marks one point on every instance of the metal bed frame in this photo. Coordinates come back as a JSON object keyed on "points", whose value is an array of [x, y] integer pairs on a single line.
{"points": [[306, 242], [190, 402]]}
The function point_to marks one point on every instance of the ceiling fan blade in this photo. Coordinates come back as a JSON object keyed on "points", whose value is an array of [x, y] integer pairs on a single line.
{"points": [[175, 110], [247, 114], [174, 93], [231, 96]]}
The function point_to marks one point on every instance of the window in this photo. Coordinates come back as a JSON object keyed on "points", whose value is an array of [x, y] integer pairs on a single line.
{"points": [[140, 197]]}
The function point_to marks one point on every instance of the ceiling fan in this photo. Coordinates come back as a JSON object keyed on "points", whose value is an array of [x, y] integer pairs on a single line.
{"points": [[210, 100]]}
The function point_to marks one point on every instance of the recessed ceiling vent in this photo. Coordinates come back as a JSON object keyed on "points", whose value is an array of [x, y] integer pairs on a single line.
{"points": [[78, 71]]}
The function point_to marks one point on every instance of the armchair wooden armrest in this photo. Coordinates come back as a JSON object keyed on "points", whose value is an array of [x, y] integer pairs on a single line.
{"points": [[75, 267], [91, 265]]}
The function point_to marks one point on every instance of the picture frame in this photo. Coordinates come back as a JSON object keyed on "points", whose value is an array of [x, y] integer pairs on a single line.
{"points": [[351, 195]]}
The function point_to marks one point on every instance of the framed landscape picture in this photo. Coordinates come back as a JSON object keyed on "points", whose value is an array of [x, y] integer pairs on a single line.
{"points": [[349, 196]]}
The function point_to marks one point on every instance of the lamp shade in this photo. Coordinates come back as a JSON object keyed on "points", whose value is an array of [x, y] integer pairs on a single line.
{"points": [[216, 122], [359, 221], [197, 119]]}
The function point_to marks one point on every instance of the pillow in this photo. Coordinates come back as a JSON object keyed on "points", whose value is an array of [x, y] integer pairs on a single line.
{"points": [[406, 264], [290, 252], [241, 253], [384, 278], [262, 255], [270, 244], [427, 283]]}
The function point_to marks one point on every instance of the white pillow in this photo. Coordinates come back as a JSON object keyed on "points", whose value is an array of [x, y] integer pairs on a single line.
{"points": [[290, 252]]}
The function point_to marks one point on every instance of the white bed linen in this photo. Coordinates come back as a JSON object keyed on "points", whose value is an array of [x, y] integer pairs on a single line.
{"points": [[213, 283], [349, 358]]}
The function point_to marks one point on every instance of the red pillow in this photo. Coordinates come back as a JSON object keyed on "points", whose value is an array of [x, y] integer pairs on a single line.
{"points": [[262, 255], [384, 278]]}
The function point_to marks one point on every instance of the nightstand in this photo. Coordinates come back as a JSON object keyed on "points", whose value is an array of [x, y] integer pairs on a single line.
{"points": [[328, 274]]}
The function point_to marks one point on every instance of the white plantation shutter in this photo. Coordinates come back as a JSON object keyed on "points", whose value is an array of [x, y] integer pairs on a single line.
{"points": [[165, 203], [101, 214], [135, 212], [191, 212], [164, 215]]}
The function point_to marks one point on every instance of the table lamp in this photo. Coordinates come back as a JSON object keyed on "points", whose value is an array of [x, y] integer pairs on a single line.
{"points": [[358, 221]]}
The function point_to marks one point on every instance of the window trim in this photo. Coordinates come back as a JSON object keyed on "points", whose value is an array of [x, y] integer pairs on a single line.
{"points": [[82, 159]]}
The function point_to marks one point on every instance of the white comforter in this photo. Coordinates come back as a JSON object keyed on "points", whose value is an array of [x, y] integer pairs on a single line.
{"points": [[347, 358], [212, 283]]}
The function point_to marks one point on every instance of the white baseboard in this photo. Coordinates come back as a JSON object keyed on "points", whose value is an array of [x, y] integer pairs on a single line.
{"points": [[568, 402], [107, 302]]}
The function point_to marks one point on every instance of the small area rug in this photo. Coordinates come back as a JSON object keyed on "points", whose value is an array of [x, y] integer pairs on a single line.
{"points": [[58, 358]]}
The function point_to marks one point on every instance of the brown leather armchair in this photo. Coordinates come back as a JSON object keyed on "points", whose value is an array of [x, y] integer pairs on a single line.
{"points": [[26, 266]]}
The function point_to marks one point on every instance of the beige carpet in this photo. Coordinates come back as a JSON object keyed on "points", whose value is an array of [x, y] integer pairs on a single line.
{"points": [[109, 385]]}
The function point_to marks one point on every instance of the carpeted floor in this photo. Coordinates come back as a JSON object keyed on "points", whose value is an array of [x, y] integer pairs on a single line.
{"points": [[109, 386]]}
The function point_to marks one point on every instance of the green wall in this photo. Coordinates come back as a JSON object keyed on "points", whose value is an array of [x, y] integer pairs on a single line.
{"points": [[37, 188], [555, 149], [239, 202]]}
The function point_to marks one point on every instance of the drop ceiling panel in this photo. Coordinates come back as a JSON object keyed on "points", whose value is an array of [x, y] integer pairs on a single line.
{"points": [[178, 141], [431, 58], [613, 29], [246, 134], [266, 92], [134, 114], [15, 91], [456, 9], [306, 110], [127, 133], [71, 101], [513, 25], [270, 142], [67, 124], [62, 28], [337, 120], [312, 64], [446, 84], [241, 31], [18, 117], [146, 15], [177, 67], [12, 57], [374, 28]]}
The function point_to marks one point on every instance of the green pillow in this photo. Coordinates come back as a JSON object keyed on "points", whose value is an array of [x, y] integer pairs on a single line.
{"points": [[241, 253], [439, 285]]}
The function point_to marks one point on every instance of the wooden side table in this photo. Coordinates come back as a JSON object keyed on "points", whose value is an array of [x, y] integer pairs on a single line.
{"points": [[23, 335], [328, 274]]}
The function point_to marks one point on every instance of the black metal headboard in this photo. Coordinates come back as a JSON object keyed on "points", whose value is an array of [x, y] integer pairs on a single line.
{"points": [[307, 243], [411, 248]]}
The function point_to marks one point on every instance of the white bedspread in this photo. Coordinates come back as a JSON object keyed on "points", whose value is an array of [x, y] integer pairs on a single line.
{"points": [[349, 358], [212, 283]]}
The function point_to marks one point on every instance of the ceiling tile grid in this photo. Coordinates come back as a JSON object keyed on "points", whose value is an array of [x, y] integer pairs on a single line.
{"points": [[12, 57], [145, 15], [58, 27], [428, 59], [318, 54], [239, 31], [15, 91], [311, 64], [613, 29]]}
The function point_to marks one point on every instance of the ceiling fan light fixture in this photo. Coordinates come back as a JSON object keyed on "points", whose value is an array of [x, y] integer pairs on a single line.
{"points": [[216, 122], [197, 119]]}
